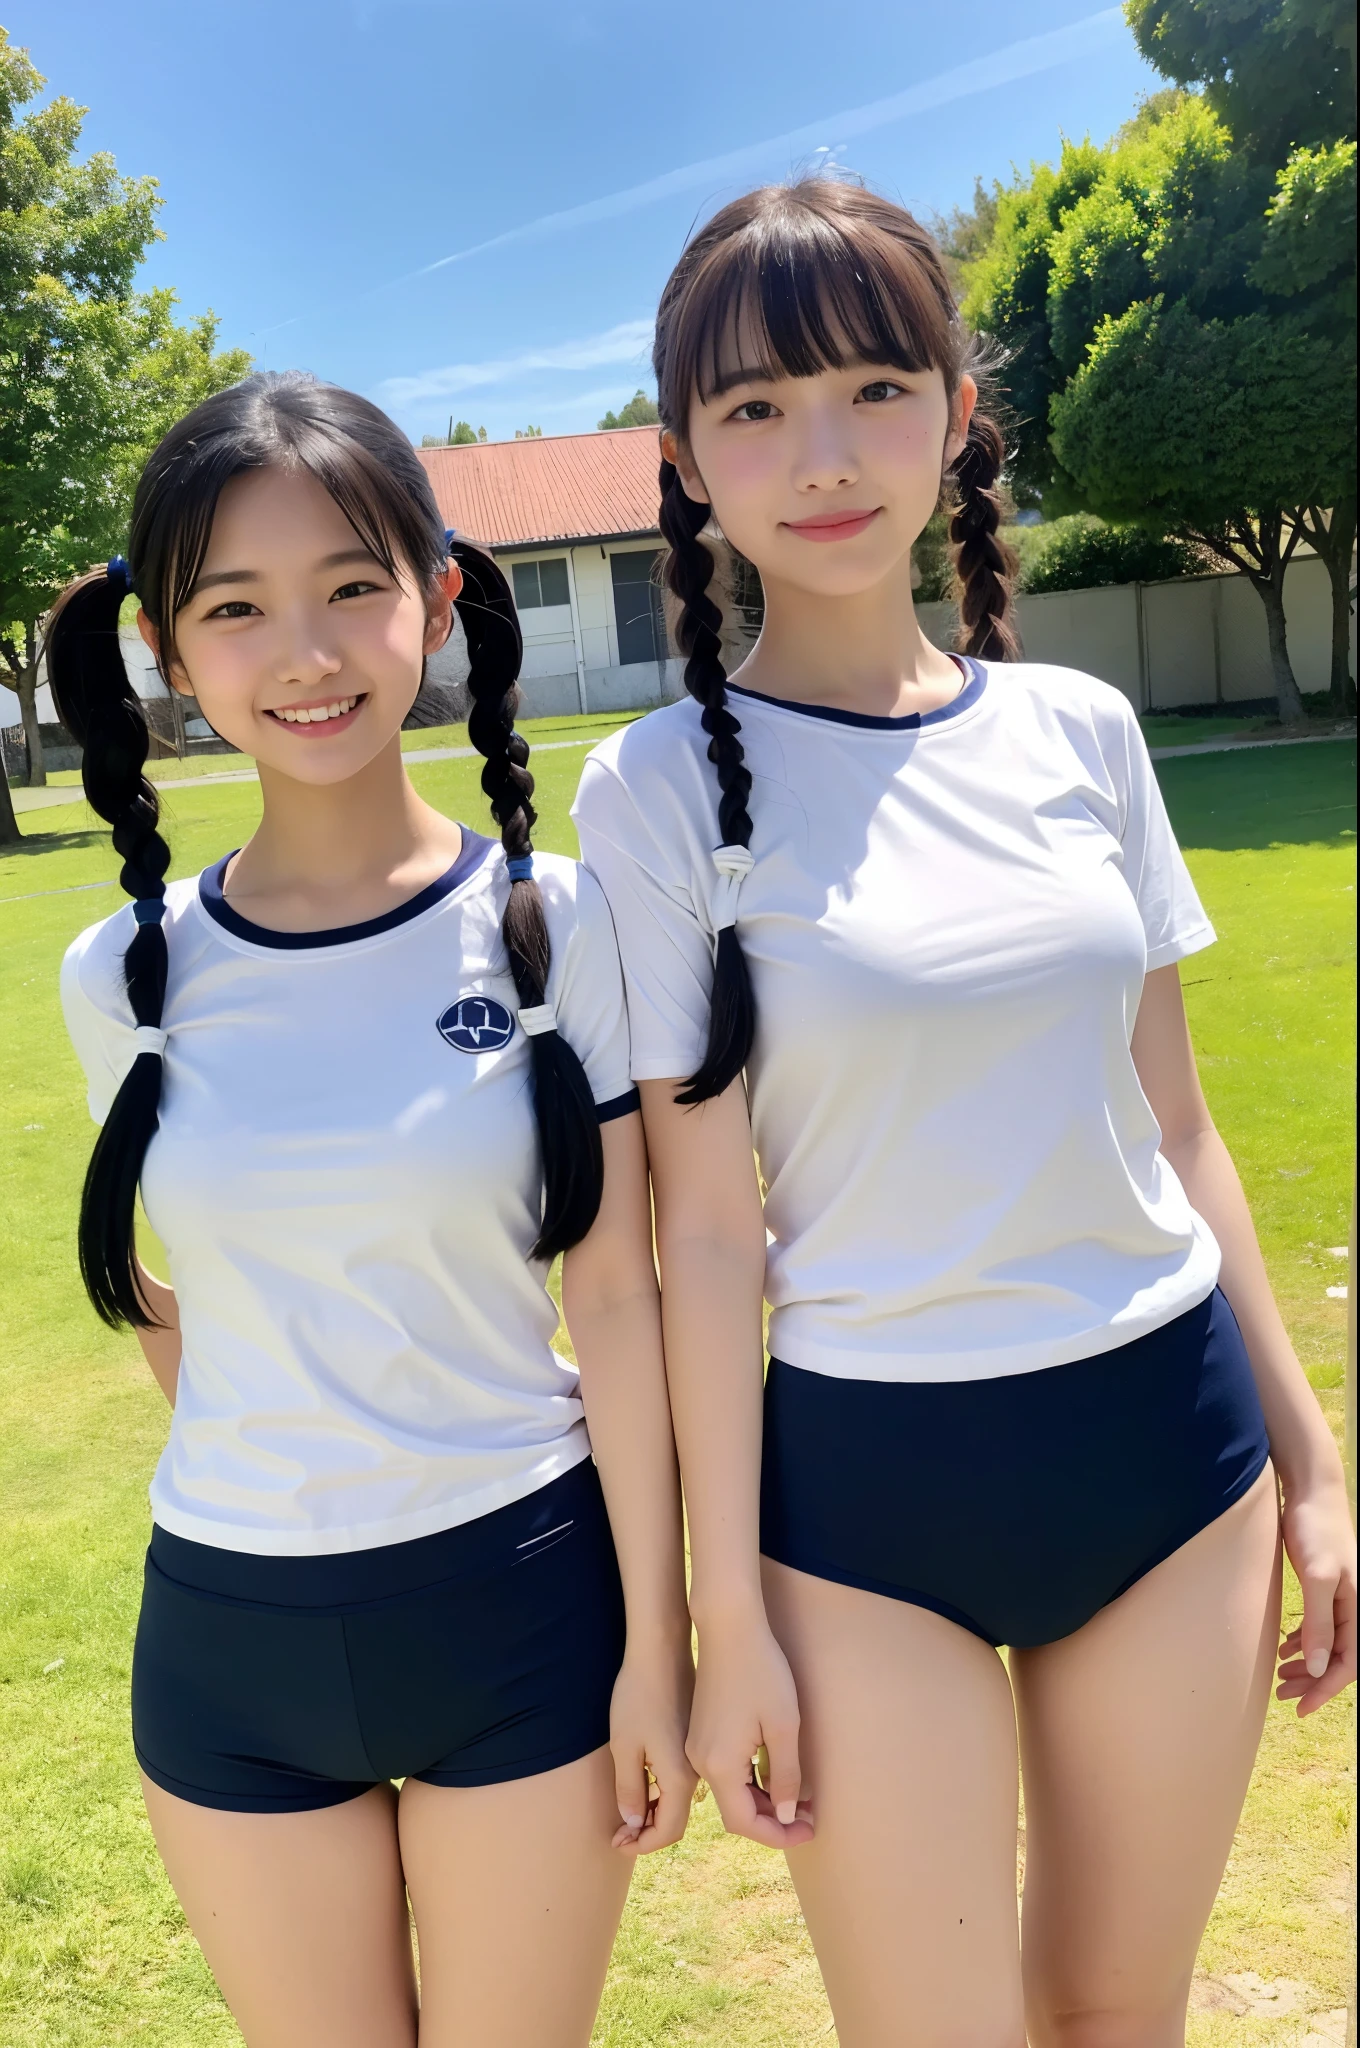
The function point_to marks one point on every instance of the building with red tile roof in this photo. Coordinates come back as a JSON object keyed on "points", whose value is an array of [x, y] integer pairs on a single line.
{"points": [[563, 487], [573, 518]]}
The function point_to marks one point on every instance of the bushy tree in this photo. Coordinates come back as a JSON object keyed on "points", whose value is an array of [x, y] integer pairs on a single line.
{"points": [[640, 411], [1279, 73], [1170, 362], [1082, 553], [92, 372]]}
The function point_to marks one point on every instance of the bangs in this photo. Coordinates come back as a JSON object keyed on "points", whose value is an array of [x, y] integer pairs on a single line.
{"points": [[797, 290], [289, 422]]}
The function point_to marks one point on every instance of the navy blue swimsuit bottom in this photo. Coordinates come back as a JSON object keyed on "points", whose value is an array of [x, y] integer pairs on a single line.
{"points": [[480, 1654], [1016, 1507]]}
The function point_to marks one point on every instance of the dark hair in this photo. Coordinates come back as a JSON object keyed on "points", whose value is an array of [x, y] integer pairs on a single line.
{"points": [[371, 471], [813, 276]]}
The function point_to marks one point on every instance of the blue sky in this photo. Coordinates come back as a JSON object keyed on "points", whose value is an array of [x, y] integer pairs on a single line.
{"points": [[321, 159]]}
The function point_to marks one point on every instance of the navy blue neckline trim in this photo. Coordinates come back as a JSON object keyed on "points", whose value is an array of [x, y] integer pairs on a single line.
{"points": [[975, 682], [474, 851]]}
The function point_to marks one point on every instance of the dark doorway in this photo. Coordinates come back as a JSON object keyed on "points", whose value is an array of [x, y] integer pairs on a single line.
{"points": [[638, 614]]}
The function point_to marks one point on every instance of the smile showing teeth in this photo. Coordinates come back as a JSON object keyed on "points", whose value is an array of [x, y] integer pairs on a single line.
{"points": [[317, 714]]}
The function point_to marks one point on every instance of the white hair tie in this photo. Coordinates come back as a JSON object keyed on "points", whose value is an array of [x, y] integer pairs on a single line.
{"points": [[149, 1038], [541, 1018], [733, 863]]}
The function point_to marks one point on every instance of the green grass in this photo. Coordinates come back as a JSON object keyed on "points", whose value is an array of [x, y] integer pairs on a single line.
{"points": [[93, 1949], [536, 730]]}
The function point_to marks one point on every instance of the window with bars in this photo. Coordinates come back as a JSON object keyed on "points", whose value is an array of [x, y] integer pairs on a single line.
{"points": [[540, 583]]}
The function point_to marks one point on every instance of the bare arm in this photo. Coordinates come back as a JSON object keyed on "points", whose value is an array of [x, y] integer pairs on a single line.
{"points": [[613, 1312], [1318, 1530], [161, 1347], [710, 1233]]}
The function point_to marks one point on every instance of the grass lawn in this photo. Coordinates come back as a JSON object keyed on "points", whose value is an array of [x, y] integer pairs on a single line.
{"points": [[537, 731], [93, 1950]]}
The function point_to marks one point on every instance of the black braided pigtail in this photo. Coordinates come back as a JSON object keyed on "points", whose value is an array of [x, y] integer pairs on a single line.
{"points": [[689, 571], [97, 703], [568, 1127], [984, 564]]}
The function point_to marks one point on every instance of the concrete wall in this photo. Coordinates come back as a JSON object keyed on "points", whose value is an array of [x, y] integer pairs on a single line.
{"points": [[1166, 645]]}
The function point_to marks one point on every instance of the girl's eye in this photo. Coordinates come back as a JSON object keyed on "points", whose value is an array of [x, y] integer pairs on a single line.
{"points": [[353, 590], [881, 389], [756, 409], [234, 608]]}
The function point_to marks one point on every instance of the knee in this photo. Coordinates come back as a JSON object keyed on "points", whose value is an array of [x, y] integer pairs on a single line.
{"points": [[1135, 2025]]}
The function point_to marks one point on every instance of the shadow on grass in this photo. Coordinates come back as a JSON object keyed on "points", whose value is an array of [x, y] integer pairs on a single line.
{"points": [[36, 840], [1270, 796]]}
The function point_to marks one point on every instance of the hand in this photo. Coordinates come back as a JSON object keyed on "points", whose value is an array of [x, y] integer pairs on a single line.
{"points": [[1318, 1659], [744, 1701], [647, 1719]]}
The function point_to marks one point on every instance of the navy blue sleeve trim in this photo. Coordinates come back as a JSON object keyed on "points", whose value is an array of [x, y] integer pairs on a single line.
{"points": [[622, 1105]]}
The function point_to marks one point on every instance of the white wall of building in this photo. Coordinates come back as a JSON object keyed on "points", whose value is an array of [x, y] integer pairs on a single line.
{"points": [[549, 679]]}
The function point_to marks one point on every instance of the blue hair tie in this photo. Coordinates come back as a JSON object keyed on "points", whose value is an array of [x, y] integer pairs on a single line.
{"points": [[450, 536], [120, 576], [520, 867], [149, 909]]}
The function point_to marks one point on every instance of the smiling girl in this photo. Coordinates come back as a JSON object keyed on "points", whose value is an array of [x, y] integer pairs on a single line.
{"points": [[1028, 1385], [371, 1075]]}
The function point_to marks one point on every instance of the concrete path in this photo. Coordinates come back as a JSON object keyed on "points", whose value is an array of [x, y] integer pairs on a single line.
{"points": [[72, 793], [1227, 745]]}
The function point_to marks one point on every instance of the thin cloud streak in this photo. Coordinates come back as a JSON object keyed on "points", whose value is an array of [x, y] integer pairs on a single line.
{"points": [[622, 344], [1002, 67]]}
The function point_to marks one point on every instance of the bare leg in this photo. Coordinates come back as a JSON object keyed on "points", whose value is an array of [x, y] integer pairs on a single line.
{"points": [[1137, 1736], [908, 1748], [302, 1917], [517, 1897]]}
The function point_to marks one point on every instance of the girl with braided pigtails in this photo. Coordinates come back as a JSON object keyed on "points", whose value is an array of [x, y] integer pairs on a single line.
{"points": [[370, 1075], [905, 924]]}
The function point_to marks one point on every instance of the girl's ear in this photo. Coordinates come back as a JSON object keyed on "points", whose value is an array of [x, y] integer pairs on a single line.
{"points": [[682, 462], [439, 611], [175, 676], [961, 412]]}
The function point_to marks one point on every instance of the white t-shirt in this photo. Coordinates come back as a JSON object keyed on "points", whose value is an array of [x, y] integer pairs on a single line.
{"points": [[947, 926], [347, 1183]]}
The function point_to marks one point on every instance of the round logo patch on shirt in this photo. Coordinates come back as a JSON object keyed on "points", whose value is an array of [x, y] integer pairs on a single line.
{"points": [[477, 1024]]}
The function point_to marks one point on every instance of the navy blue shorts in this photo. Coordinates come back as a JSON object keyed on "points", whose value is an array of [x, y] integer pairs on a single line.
{"points": [[484, 1653], [1016, 1507]]}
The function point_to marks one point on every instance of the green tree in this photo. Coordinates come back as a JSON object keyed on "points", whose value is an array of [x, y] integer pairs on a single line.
{"points": [[1279, 73], [460, 434], [91, 371], [965, 231], [640, 411], [1282, 74], [1164, 374], [526, 434]]}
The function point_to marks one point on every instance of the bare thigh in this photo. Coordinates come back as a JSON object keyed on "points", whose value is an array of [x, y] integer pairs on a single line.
{"points": [[301, 1916], [1137, 1738], [909, 1757], [517, 1897]]}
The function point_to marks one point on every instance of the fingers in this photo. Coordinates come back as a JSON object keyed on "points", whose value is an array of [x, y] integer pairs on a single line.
{"points": [[1298, 1680], [1318, 1629], [654, 1798], [748, 1809], [631, 1791], [784, 1782]]}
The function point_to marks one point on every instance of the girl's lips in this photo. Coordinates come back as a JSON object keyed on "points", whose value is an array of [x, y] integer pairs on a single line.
{"points": [[833, 525], [316, 728]]}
